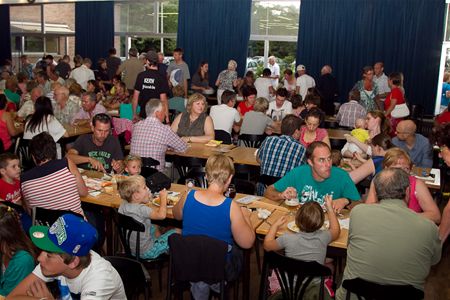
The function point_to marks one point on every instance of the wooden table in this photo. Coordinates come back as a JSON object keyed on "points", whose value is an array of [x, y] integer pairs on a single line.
{"points": [[435, 183], [76, 130], [337, 134]]}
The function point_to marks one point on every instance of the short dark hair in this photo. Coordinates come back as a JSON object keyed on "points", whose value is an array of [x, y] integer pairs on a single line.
{"points": [[313, 146], [290, 124], [441, 135], [266, 72], [391, 184], [42, 147], [310, 217], [288, 71], [354, 94], [5, 158], [249, 90], [396, 78], [282, 92], [92, 96], [102, 118], [382, 140], [315, 113], [85, 261], [112, 51], [296, 101], [179, 50], [228, 96], [312, 99], [3, 101]]}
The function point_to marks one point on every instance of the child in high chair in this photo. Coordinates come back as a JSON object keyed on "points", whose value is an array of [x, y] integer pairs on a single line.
{"points": [[133, 165], [136, 195]]}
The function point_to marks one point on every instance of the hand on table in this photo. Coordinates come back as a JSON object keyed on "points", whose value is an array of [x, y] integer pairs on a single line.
{"points": [[97, 165], [289, 193], [116, 165], [339, 204], [279, 222]]}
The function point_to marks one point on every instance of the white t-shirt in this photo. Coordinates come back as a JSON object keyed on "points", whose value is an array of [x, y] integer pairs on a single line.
{"points": [[280, 112], [262, 85], [275, 71], [305, 82], [224, 117], [98, 281], [82, 75]]}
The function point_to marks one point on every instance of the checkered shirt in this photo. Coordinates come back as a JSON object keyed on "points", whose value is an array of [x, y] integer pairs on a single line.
{"points": [[349, 112], [151, 138]]}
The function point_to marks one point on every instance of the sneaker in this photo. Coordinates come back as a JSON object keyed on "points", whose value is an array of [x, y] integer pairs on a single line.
{"points": [[329, 286]]}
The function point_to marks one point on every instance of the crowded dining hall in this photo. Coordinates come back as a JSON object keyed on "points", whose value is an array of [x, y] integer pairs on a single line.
{"points": [[244, 167]]}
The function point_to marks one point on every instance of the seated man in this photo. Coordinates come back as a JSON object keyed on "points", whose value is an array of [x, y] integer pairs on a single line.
{"points": [[65, 108], [416, 145], [67, 258], [281, 107], [151, 137], [280, 154], [98, 150], [28, 106], [314, 181], [351, 111], [224, 115], [387, 242], [89, 108]]}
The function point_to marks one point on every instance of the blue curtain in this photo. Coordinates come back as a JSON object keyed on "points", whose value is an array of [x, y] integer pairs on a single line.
{"points": [[94, 29], [5, 34], [405, 34], [215, 31]]}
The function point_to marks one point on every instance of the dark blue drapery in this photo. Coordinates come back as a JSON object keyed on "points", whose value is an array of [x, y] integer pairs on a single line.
{"points": [[405, 34], [94, 29], [215, 31], [5, 34]]}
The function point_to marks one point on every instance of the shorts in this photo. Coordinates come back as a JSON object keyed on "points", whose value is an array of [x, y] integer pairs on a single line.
{"points": [[160, 244]]}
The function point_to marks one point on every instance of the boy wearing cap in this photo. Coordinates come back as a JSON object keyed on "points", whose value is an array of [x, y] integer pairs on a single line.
{"points": [[67, 258]]}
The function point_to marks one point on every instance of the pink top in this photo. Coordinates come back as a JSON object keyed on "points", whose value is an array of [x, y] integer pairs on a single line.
{"points": [[321, 133], [413, 203], [4, 134]]}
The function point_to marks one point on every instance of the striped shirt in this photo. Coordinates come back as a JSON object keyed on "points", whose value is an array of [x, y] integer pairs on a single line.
{"points": [[51, 186]]}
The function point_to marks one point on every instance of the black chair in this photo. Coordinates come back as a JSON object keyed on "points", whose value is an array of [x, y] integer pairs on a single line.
{"points": [[251, 140], [416, 113], [374, 291], [134, 276], [222, 135], [293, 275], [2, 147], [46, 217], [337, 143], [22, 151], [191, 167], [148, 166], [193, 259], [172, 115], [125, 226]]}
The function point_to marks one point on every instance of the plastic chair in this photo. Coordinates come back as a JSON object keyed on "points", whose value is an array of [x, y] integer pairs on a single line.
{"points": [[293, 275], [374, 291], [251, 140], [134, 276], [22, 151], [46, 217], [125, 226], [222, 135], [193, 259]]}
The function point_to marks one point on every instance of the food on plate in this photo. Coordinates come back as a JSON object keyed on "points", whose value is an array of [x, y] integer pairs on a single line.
{"points": [[213, 143], [171, 200]]}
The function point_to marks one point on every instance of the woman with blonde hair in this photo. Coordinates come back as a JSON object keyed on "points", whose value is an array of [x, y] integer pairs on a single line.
{"points": [[420, 199], [208, 212], [194, 125], [227, 80]]}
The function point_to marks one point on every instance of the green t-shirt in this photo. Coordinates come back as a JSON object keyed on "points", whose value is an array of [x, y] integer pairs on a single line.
{"points": [[339, 185], [20, 266]]}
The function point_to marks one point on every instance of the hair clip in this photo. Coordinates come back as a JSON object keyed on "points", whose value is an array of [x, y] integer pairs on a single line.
{"points": [[9, 209]]}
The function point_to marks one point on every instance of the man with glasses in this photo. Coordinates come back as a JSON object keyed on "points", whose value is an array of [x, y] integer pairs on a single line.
{"points": [[416, 145], [312, 182], [98, 150]]}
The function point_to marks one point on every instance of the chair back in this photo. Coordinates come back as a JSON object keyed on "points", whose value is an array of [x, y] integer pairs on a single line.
{"points": [[134, 276], [2, 147], [125, 226], [196, 258], [222, 135], [337, 143], [46, 217], [191, 167], [293, 275], [374, 291], [251, 140], [148, 166], [268, 180], [22, 151]]}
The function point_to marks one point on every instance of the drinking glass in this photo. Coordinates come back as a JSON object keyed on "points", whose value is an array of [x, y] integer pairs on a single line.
{"points": [[230, 192]]}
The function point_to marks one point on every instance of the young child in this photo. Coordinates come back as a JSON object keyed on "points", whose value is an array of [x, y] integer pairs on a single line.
{"points": [[9, 178], [136, 195], [133, 165], [310, 243], [361, 134]]}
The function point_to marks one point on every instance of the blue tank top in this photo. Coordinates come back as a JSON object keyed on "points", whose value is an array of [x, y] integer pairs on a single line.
{"points": [[378, 163], [212, 221]]}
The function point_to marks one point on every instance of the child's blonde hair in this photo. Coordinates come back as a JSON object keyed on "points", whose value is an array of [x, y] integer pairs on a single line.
{"points": [[127, 187], [131, 157]]}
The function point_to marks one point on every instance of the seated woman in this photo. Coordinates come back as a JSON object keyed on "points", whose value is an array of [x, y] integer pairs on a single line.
{"points": [[247, 81], [17, 253], [43, 120], [121, 96], [53, 183], [379, 144], [420, 199], [208, 212], [177, 102], [200, 81], [194, 125], [310, 132], [256, 121], [7, 128]]}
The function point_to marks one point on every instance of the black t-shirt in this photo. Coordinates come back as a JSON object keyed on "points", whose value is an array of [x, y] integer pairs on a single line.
{"points": [[150, 84], [63, 69]]}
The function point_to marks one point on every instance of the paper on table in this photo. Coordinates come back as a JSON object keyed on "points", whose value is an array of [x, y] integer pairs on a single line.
{"points": [[247, 199], [94, 193], [344, 223]]}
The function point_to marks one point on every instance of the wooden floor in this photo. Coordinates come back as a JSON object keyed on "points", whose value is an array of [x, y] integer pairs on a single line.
{"points": [[437, 286]]}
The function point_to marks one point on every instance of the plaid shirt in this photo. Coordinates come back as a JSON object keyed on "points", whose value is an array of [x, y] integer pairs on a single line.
{"points": [[66, 114], [349, 112], [151, 138]]}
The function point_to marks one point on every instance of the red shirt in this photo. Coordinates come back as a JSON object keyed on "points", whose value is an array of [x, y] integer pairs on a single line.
{"points": [[443, 118], [396, 93], [244, 109], [10, 192]]}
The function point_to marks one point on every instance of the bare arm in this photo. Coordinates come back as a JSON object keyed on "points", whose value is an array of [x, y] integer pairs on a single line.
{"points": [[161, 212], [81, 186], [73, 155], [175, 123], [444, 229], [372, 195], [366, 169], [241, 226], [364, 147], [12, 130], [134, 104], [335, 228], [270, 243], [426, 202], [273, 194], [24, 287], [177, 210], [391, 107], [209, 133]]}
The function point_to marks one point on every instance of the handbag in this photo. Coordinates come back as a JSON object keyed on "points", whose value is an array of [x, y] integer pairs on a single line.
{"points": [[400, 111]]}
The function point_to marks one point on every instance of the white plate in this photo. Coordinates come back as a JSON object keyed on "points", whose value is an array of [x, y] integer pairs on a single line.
{"points": [[247, 199], [156, 203], [292, 202], [292, 227]]}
